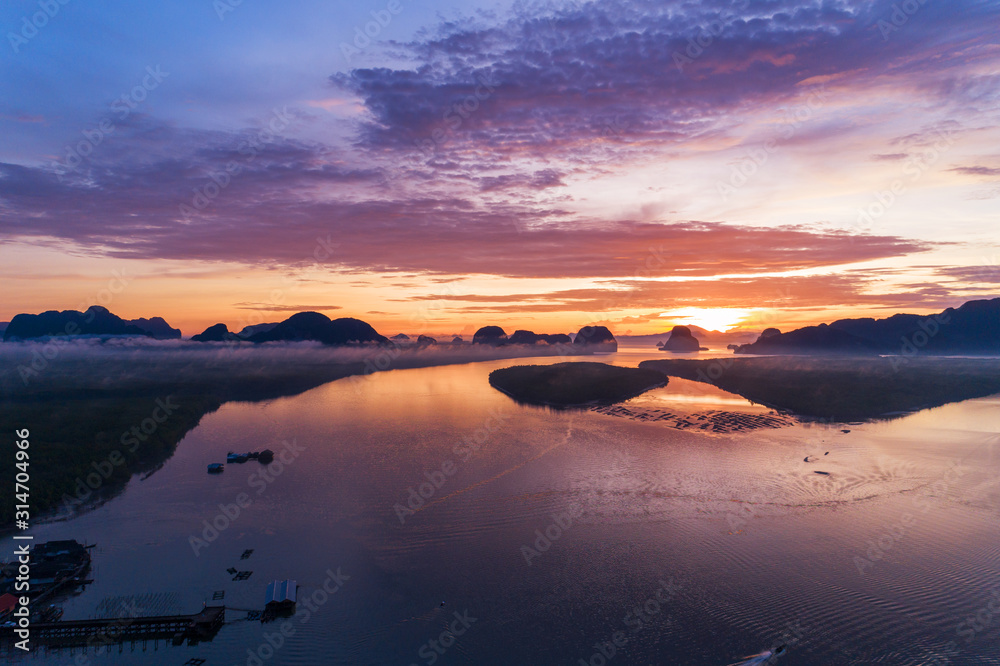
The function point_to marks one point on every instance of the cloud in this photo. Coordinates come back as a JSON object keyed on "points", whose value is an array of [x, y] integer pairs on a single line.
{"points": [[576, 78], [540, 180], [132, 211], [270, 307], [985, 275], [769, 292], [977, 171], [518, 113], [23, 118]]}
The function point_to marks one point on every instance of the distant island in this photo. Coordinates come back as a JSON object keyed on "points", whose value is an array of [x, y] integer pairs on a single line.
{"points": [[843, 389], [973, 328], [578, 384], [87, 400], [681, 340], [98, 321], [589, 339]]}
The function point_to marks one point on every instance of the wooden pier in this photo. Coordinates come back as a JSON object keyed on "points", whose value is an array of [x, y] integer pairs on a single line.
{"points": [[111, 631]]}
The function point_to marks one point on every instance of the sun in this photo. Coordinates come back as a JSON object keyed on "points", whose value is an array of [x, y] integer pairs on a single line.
{"points": [[712, 319]]}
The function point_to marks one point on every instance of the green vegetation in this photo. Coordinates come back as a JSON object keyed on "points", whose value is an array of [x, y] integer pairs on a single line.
{"points": [[82, 403], [574, 384], [83, 450], [93, 425], [843, 389]]}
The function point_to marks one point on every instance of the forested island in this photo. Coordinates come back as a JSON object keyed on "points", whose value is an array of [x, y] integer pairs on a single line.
{"points": [[843, 388], [574, 384]]}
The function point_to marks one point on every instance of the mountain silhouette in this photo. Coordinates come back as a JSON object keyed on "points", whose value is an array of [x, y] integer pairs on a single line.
{"points": [[319, 327], [973, 328], [96, 320]]}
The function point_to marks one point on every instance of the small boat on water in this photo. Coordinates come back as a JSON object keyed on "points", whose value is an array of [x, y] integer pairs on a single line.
{"points": [[765, 657], [265, 456], [216, 468]]}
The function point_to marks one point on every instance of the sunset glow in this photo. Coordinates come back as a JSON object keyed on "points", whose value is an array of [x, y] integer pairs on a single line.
{"points": [[493, 332], [806, 163], [718, 319]]}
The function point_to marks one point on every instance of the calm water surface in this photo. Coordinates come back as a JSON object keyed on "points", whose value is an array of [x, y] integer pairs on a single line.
{"points": [[689, 547]]}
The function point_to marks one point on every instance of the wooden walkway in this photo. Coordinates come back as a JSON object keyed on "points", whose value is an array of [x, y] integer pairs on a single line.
{"points": [[110, 631]]}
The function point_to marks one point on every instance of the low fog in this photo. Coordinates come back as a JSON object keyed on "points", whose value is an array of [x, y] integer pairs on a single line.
{"points": [[62, 366]]}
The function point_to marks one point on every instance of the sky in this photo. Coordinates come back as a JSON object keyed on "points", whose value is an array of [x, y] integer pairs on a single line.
{"points": [[432, 167]]}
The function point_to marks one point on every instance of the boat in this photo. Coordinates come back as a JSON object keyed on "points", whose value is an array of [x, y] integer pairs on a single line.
{"points": [[216, 468], [236, 457]]}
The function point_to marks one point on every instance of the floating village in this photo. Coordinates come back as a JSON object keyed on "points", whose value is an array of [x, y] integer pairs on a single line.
{"points": [[59, 570]]}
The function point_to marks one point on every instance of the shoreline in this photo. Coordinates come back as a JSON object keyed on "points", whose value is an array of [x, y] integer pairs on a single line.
{"points": [[96, 411]]}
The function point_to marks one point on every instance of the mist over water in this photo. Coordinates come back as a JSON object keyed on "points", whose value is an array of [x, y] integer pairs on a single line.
{"points": [[551, 534]]}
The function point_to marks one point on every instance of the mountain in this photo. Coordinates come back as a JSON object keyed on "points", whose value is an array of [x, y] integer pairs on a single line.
{"points": [[705, 336], [158, 328], [256, 328], [598, 338], [822, 339], [319, 327], [681, 340], [523, 338], [530, 338], [490, 335], [973, 328], [216, 333], [95, 321]]}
